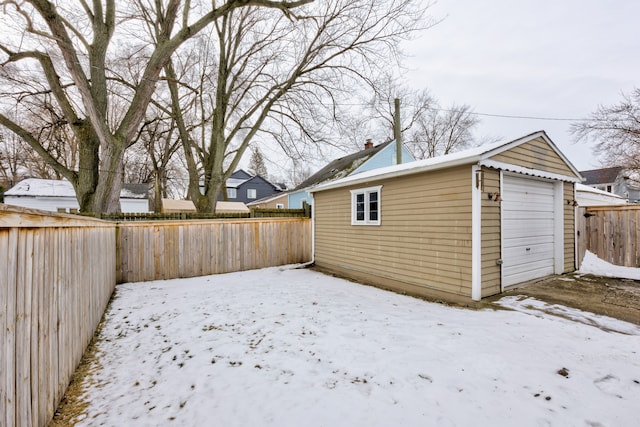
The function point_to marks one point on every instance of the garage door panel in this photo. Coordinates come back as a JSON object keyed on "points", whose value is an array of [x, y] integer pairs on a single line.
{"points": [[534, 227], [523, 276], [529, 254], [541, 265], [527, 206], [527, 229], [516, 244]]}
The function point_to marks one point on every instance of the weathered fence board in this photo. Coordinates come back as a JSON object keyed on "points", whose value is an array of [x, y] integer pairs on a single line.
{"points": [[173, 249], [610, 232], [54, 286]]}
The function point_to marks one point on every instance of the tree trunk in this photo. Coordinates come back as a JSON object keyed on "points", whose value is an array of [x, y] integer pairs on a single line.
{"points": [[107, 195], [88, 165], [158, 190]]}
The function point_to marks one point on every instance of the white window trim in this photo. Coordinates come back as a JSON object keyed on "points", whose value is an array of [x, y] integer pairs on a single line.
{"points": [[232, 193], [255, 193], [366, 191]]}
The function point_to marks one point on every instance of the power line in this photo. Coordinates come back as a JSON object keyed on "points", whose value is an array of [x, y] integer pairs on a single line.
{"points": [[506, 116]]}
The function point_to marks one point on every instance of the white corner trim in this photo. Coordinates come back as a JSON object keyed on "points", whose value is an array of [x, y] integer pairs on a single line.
{"points": [[313, 230], [576, 253], [558, 227], [501, 233], [476, 236]]}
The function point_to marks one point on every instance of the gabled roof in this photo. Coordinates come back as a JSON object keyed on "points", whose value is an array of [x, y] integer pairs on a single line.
{"points": [[342, 167], [479, 155], [236, 182], [268, 198], [601, 176], [241, 174], [241, 177], [134, 191], [36, 187]]}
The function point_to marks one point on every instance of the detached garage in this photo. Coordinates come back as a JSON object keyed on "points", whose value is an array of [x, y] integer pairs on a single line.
{"points": [[458, 227]]}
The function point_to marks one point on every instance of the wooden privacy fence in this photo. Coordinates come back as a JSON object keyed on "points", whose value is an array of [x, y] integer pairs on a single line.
{"points": [[173, 249], [57, 273], [167, 216], [610, 232]]}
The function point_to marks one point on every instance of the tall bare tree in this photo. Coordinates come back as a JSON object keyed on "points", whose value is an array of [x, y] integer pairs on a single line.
{"points": [[257, 165], [442, 131], [66, 46], [616, 130], [427, 129], [12, 160], [263, 73]]}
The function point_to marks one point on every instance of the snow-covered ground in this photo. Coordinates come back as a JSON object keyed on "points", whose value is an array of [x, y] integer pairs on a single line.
{"points": [[591, 264], [292, 347]]}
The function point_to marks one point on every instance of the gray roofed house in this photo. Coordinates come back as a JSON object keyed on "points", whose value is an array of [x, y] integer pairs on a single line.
{"points": [[244, 187], [616, 180]]}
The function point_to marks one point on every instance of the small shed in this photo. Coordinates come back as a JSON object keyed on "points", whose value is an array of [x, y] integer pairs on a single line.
{"points": [[462, 226], [276, 201], [590, 196]]}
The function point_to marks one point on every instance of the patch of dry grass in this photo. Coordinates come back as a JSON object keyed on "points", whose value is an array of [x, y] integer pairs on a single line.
{"points": [[73, 406]]}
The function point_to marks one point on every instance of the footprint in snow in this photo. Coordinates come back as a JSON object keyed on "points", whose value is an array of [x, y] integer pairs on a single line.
{"points": [[608, 384]]}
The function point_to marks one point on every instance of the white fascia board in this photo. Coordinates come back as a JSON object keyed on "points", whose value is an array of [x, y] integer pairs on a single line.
{"points": [[410, 168], [527, 171]]}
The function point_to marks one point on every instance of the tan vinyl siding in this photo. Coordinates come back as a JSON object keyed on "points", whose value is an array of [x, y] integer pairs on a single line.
{"points": [[272, 204], [569, 228], [423, 244], [535, 154], [491, 244]]}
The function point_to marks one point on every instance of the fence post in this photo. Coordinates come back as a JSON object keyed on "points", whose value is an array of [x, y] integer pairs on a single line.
{"points": [[307, 209]]}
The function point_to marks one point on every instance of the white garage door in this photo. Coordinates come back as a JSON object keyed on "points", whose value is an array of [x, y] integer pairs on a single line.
{"points": [[527, 229]]}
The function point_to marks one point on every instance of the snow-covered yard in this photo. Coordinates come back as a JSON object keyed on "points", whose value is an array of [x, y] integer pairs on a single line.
{"points": [[293, 347]]}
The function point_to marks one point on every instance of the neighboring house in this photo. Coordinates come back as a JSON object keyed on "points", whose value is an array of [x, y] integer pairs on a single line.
{"points": [[244, 187], [371, 157], [590, 196], [616, 180], [462, 226], [59, 196], [172, 206], [277, 201]]}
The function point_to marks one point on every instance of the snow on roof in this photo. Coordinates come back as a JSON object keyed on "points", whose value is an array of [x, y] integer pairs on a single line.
{"points": [[236, 182], [588, 189], [469, 156], [37, 187], [589, 196]]}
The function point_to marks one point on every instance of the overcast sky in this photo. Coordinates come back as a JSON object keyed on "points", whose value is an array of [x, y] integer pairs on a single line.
{"points": [[543, 58]]}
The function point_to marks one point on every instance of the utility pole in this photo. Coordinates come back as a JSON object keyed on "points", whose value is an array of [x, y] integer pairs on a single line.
{"points": [[396, 131]]}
